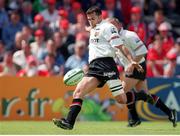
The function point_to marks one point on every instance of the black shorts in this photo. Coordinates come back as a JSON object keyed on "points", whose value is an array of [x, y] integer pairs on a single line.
{"points": [[103, 69], [139, 75]]}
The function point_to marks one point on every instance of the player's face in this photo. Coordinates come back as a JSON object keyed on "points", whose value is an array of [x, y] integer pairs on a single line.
{"points": [[93, 19]]}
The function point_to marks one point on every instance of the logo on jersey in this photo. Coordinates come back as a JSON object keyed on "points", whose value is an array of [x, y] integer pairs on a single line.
{"points": [[113, 30], [95, 40], [96, 34], [109, 74]]}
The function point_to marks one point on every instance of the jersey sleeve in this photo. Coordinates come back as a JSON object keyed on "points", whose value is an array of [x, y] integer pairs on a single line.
{"points": [[137, 45], [112, 36]]}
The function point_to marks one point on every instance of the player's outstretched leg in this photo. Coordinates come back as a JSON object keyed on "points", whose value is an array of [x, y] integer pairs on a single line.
{"points": [[172, 114], [68, 123]]}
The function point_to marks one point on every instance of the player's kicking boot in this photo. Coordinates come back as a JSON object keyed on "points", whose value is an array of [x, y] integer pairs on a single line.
{"points": [[62, 123], [173, 117], [134, 123]]}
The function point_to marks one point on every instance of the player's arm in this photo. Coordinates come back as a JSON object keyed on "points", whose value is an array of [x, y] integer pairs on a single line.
{"points": [[112, 36], [133, 62], [139, 58], [138, 47], [125, 52]]}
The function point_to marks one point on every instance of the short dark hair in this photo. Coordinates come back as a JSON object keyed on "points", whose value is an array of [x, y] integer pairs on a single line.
{"points": [[94, 9], [160, 11]]}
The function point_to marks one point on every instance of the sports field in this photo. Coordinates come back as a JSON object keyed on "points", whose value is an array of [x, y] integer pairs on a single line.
{"points": [[117, 128]]}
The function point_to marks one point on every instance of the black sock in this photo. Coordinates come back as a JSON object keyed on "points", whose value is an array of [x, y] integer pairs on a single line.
{"points": [[155, 98], [132, 111], [133, 96], [130, 97], [159, 104], [141, 95], [75, 108]]}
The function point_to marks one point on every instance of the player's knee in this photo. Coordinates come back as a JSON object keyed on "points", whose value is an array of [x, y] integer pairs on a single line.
{"points": [[78, 93], [125, 88], [122, 99]]}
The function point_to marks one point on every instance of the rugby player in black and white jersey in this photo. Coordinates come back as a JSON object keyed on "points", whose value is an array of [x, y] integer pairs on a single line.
{"points": [[136, 79], [104, 39]]}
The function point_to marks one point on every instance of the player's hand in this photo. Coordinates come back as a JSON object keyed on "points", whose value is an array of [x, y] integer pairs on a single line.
{"points": [[130, 68], [88, 28], [137, 66]]}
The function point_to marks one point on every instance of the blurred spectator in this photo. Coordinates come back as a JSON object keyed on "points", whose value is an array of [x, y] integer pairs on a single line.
{"points": [[168, 41], [137, 25], [80, 25], [39, 5], [155, 5], [67, 38], [75, 10], [177, 46], [7, 66], [153, 26], [14, 5], [2, 51], [104, 14], [50, 14], [10, 30], [66, 4], [57, 41], [3, 17], [18, 38], [172, 9], [50, 67], [39, 23], [51, 49], [110, 6], [63, 14], [78, 59], [140, 3], [80, 37], [125, 6], [27, 33], [27, 13], [30, 69], [86, 4], [155, 58], [38, 47], [20, 56], [170, 66]]}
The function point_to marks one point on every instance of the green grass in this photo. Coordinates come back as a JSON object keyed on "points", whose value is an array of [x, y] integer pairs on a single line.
{"points": [[118, 128]]}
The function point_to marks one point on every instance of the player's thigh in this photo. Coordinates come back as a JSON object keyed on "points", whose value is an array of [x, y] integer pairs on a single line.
{"points": [[85, 86], [129, 83], [142, 85]]}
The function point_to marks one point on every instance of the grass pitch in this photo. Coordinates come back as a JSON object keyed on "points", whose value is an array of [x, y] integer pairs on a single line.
{"points": [[93, 128]]}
